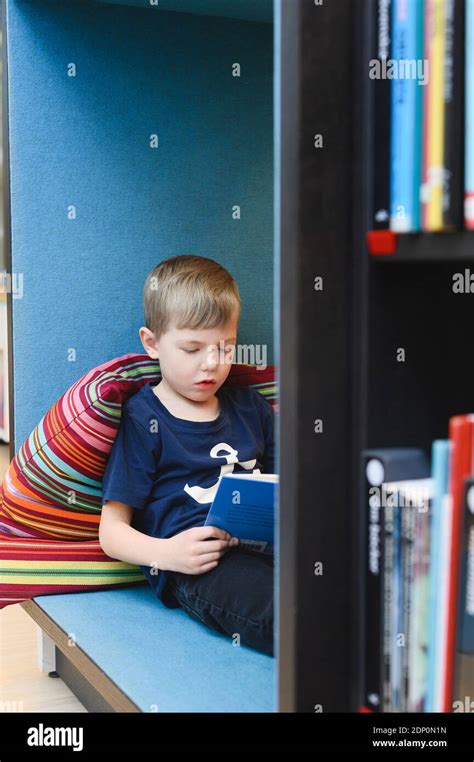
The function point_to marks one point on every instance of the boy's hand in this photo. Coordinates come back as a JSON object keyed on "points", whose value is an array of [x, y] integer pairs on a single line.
{"points": [[197, 550]]}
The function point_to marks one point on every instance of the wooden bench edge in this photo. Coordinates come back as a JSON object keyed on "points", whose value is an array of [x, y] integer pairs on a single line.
{"points": [[100, 681]]}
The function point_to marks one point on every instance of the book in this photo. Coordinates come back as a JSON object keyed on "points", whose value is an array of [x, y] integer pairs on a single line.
{"points": [[407, 517], [443, 602], [244, 506], [418, 638], [406, 105], [464, 671], [465, 640], [380, 32], [438, 572], [380, 466], [454, 71], [433, 117], [461, 435], [408, 555]]}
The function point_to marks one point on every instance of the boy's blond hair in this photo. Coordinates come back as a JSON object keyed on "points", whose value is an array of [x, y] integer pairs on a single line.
{"points": [[188, 291]]}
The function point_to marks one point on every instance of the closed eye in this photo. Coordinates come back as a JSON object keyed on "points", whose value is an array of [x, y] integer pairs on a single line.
{"points": [[190, 351]]}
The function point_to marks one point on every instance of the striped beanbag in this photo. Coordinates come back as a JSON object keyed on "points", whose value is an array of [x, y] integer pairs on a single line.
{"points": [[51, 496]]}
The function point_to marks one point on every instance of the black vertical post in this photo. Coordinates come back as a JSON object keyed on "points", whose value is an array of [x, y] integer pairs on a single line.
{"points": [[314, 57]]}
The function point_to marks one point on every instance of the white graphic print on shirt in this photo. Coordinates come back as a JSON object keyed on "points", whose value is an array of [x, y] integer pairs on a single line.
{"points": [[207, 494]]}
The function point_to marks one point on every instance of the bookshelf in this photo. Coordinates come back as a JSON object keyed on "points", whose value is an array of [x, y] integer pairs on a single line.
{"points": [[338, 346], [431, 247], [340, 386], [401, 300]]}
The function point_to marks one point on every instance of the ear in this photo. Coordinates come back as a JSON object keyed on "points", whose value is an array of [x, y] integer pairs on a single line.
{"points": [[148, 340]]}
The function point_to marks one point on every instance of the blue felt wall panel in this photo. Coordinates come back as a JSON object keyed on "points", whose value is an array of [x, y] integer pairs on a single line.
{"points": [[83, 141], [252, 10]]}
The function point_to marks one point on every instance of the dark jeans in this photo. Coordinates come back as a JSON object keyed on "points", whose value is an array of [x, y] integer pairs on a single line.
{"points": [[235, 598]]}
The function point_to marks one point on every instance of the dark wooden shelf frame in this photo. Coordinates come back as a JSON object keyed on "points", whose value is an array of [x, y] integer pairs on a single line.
{"points": [[432, 247]]}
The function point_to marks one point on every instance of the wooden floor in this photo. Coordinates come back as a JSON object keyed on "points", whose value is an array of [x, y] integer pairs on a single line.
{"points": [[22, 686]]}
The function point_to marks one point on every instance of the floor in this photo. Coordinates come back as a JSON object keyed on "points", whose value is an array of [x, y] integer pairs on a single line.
{"points": [[23, 687]]}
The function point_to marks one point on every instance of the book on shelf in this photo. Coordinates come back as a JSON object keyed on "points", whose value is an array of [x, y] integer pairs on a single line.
{"points": [[422, 106], [461, 435], [380, 466], [465, 642], [418, 583], [380, 46], [406, 117], [454, 121]]}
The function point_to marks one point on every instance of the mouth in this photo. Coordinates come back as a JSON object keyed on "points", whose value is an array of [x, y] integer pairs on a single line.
{"points": [[205, 384]]}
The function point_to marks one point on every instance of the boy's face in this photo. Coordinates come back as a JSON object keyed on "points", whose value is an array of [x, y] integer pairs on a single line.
{"points": [[189, 357]]}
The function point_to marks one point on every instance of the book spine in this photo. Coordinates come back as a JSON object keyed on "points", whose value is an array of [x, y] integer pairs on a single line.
{"points": [[421, 603], [466, 607], [422, 83], [440, 474], [453, 185], [424, 187], [380, 89], [432, 198], [374, 573], [406, 116], [388, 608], [443, 604], [397, 635], [469, 119], [408, 515], [412, 610], [461, 430], [379, 466]]}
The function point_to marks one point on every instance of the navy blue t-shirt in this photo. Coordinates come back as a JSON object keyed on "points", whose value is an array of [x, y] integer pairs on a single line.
{"points": [[167, 468]]}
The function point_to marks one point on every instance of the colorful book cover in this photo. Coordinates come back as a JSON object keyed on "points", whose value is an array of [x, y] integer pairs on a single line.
{"points": [[443, 603], [440, 475], [433, 121], [406, 121], [461, 434]]}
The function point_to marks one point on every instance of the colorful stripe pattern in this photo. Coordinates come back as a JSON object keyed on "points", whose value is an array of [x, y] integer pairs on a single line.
{"points": [[51, 496]]}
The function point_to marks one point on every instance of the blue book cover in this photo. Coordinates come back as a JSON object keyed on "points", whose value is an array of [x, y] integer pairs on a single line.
{"points": [[407, 87], [244, 506], [440, 475]]}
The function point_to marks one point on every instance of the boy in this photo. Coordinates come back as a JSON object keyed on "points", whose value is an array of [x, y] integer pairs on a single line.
{"points": [[173, 443]]}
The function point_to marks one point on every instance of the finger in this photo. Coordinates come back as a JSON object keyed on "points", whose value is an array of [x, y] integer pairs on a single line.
{"points": [[210, 557], [208, 567], [210, 531], [210, 546]]}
